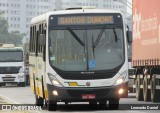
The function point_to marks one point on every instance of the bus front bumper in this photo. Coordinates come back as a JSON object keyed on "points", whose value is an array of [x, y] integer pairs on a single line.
{"points": [[78, 94]]}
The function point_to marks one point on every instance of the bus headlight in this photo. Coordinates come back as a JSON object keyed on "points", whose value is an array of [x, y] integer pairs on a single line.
{"points": [[121, 78], [21, 75], [54, 80]]}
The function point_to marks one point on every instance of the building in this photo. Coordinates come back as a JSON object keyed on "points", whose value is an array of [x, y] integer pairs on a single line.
{"points": [[121, 5], [19, 12], [102, 4]]}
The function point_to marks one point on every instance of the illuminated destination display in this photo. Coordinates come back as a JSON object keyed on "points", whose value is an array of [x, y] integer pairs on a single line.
{"points": [[82, 20]]}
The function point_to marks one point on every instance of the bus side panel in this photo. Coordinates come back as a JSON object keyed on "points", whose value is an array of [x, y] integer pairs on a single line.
{"points": [[40, 76], [32, 70]]}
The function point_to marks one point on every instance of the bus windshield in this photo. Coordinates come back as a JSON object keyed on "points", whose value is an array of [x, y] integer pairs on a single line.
{"points": [[86, 49], [11, 56]]}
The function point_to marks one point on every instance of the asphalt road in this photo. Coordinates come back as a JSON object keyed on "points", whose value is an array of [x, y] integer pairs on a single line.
{"points": [[23, 95]]}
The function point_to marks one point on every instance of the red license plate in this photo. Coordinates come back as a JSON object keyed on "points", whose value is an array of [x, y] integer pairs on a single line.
{"points": [[88, 96]]}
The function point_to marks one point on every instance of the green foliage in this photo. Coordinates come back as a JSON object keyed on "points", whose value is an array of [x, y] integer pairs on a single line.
{"points": [[6, 37], [3, 26]]}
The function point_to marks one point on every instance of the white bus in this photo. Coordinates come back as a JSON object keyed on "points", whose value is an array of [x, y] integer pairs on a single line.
{"points": [[78, 55], [11, 65]]}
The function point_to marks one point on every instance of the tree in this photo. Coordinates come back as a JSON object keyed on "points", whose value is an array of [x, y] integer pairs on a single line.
{"points": [[5, 37], [3, 26]]}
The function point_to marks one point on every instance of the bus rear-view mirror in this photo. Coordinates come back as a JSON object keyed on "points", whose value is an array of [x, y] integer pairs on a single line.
{"points": [[129, 36]]}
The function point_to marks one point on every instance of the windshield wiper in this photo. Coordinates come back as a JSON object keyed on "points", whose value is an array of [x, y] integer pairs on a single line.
{"points": [[93, 47], [75, 36], [115, 35], [98, 38], [94, 44]]}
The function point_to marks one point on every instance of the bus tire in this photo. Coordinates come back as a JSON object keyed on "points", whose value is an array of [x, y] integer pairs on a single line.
{"points": [[146, 90], [39, 101], [51, 105], [139, 91], [154, 92], [114, 104]]}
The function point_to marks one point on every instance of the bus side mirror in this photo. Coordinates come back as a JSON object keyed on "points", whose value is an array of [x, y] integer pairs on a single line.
{"points": [[42, 40], [129, 36]]}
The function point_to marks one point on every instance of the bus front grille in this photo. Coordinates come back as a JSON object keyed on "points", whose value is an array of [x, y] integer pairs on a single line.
{"points": [[8, 78], [9, 70]]}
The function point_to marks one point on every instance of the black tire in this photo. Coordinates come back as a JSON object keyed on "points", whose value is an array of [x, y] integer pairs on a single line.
{"points": [[114, 104], [51, 105], [154, 92], [22, 84], [139, 91], [146, 91], [39, 101]]}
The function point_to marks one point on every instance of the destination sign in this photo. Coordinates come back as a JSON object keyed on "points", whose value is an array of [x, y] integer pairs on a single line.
{"points": [[85, 20]]}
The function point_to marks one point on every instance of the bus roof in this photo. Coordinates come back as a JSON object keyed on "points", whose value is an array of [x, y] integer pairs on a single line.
{"points": [[44, 16]]}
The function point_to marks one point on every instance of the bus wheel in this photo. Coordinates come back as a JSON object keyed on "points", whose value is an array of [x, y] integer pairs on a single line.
{"points": [[114, 104], [154, 92], [51, 105], [146, 91], [139, 91], [39, 101]]}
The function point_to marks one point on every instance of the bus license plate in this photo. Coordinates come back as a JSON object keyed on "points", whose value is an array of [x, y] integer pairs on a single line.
{"points": [[88, 96]]}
